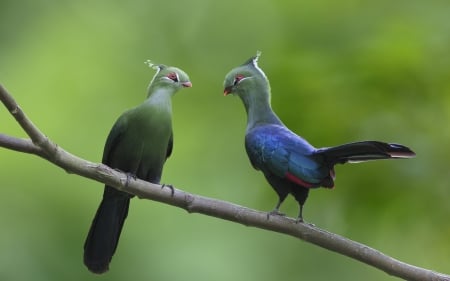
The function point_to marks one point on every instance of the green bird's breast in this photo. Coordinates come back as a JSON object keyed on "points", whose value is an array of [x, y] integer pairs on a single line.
{"points": [[140, 144]]}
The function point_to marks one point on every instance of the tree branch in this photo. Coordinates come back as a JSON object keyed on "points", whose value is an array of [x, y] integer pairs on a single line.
{"points": [[43, 147]]}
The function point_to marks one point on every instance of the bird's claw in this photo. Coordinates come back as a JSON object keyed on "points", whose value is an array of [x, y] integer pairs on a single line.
{"points": [[275, 212], [301, 220], [129, 176], [170, 187]]}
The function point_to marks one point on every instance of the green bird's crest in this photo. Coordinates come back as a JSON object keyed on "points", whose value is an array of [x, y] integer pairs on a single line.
{"points": [[168, 77]]}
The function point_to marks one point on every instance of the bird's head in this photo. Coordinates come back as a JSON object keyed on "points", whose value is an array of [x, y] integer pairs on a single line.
{"points": [[245, 77], [169, 77]]}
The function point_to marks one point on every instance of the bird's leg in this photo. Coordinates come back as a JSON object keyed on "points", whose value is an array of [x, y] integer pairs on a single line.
{"points": [[170, 187], [276, 210], [300, 215], [300, 194]]}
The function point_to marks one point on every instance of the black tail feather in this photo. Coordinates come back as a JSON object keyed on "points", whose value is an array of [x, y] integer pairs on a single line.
{"points": [[364, 151], [103, 236]]}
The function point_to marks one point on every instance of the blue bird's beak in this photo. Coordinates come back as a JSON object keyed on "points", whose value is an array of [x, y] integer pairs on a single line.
{"points": [[228, 90]]}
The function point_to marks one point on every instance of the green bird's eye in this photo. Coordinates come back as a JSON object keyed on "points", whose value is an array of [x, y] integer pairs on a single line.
{"points": [[173, 76]]}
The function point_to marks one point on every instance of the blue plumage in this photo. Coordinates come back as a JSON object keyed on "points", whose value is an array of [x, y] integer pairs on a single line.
{"points": [[275, 149], [290, 164]]}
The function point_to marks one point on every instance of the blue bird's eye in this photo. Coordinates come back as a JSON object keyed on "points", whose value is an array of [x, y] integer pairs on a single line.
{"points": [[237, 79]]}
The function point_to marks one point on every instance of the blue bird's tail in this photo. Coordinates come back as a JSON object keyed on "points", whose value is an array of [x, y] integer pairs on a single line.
{"points": [[364, 151]]}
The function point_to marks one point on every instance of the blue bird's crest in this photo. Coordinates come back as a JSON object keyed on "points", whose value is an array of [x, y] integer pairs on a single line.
{"points": [[253, 61]]}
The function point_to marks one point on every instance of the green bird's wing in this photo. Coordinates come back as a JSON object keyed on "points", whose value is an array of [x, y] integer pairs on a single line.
{"points": [[170, 146], [114, 137]]}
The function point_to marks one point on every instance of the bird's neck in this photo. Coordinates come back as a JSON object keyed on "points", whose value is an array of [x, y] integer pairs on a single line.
{"points": [[259, 111], [160, 99]]}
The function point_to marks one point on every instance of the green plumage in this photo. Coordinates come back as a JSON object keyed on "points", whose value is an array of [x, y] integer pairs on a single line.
{"points": [[139, 143], [141, 139]]}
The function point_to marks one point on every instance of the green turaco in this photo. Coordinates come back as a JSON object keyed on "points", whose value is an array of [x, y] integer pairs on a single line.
{"points": [[139, 143], [290, 164]]}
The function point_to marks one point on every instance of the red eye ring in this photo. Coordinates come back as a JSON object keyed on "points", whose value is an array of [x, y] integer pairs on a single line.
{"points": [[238, 78], [172, 76]]}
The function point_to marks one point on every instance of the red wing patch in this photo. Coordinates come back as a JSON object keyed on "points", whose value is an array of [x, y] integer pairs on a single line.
{"points": [[299, 181]]}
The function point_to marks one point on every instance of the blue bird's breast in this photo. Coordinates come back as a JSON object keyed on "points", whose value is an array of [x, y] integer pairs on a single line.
{"points": [[276, 150]]}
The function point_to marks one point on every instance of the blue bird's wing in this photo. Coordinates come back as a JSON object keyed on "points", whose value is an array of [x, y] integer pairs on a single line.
{"points": [[275, 149]]}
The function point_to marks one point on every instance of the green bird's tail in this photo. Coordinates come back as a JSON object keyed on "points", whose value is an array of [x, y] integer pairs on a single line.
{"points": [[103, 236]]}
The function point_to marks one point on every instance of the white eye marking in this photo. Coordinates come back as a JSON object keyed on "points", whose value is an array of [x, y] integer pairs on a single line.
{"points": [[239, 78], [245, 78], [255, 64]]}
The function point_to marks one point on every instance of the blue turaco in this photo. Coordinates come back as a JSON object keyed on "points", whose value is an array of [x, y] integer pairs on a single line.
{"points": [[289, 163]]}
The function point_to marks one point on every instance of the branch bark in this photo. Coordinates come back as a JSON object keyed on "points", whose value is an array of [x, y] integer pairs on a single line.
{"points": [[40, 145]]}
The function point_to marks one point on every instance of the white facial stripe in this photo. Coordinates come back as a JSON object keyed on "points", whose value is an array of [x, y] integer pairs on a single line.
{"points": [[245, 78], [167, 78], [255, 64]]}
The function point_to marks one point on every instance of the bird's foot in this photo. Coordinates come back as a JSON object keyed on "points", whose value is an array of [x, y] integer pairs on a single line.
{"points": [[170, 187], [301, 220], [275, 212], [129, 177]]}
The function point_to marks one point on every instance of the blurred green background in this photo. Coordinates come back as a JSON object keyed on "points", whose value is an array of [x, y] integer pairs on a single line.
{"points": [[340, 71]]}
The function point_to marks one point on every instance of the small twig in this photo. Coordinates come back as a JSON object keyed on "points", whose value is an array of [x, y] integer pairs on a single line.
{"points": [[43, 147], [20, 145]]}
